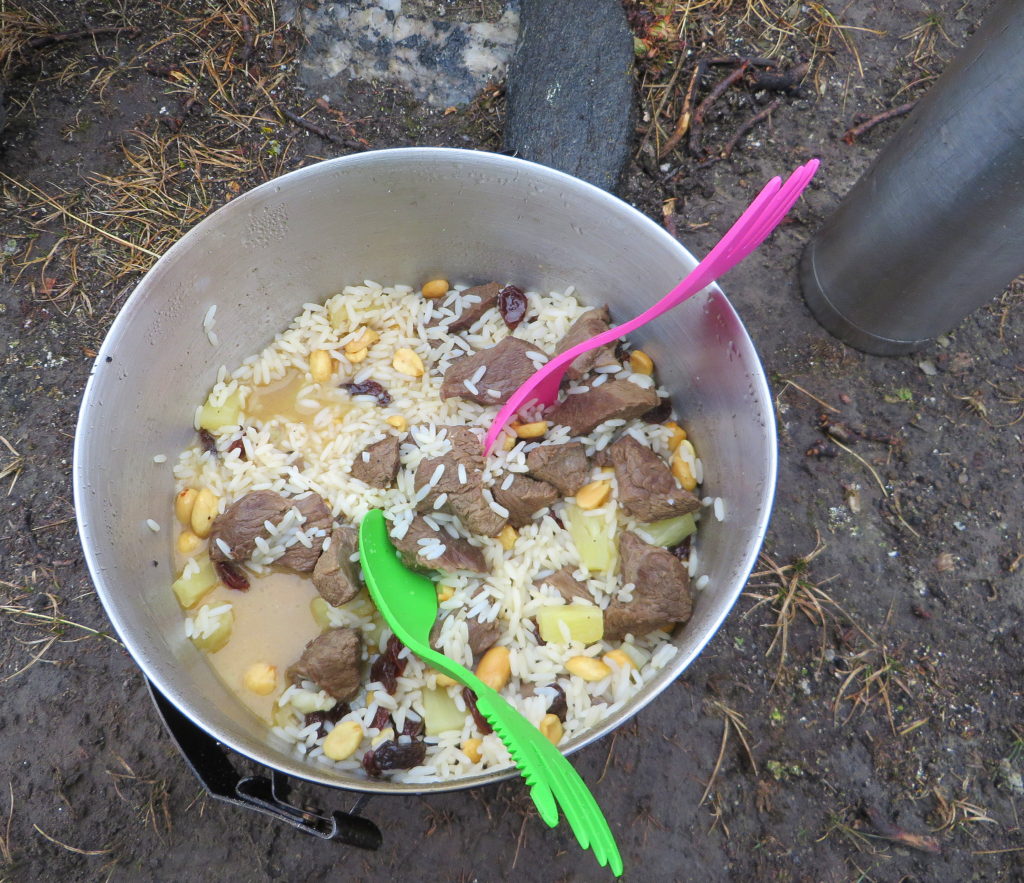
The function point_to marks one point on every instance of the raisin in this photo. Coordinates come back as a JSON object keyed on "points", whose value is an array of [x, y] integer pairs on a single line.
{"points": [[481, 722], [558, 707], [387, 667], [237, 445], [208, 442], [369, 388], [380, 719], [659, 413], [231, 575], [413, 727], [681, 550], [332, 715], [512, 305], [393, 755]]}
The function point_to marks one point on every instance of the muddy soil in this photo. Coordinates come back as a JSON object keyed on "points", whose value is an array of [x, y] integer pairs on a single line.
{"points": [[884, 742]]}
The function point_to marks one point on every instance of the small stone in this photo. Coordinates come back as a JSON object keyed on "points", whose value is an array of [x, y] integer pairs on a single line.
{"points": [[570, 88]]}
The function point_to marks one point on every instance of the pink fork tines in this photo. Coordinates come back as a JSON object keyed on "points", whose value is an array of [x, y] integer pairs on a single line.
{"points": [[751, 229]]}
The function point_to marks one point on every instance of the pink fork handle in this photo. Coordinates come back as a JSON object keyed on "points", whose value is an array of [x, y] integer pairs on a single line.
{"points": [[762, 216]]}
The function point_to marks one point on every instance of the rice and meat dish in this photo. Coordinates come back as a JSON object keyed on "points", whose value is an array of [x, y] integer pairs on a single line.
{"points": [[562, 560]]}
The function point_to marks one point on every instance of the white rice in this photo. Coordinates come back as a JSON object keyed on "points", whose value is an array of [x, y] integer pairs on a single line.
{"points": [[315, 455], [208, 322], [152, 525]]}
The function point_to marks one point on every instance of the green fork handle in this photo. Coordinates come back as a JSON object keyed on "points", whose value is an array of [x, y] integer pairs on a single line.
{"points": [[552, 779]]}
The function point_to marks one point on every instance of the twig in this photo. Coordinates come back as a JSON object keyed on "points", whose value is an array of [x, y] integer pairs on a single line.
{"points": [[869, 467], [853, 133], [686, 115], [809, 395], [319, 131], [50, 39], [888, 831], [748, 125], [249, 45], [608, 759], [720, 88], [778, 81]]}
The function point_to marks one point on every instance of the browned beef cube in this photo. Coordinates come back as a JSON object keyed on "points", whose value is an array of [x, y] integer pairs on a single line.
{"points": [[620, 399], [458, 553], [463, 487], [506, 369], [336, 575], [239, 525], [647, 488], [332, 661], [377, 464], [567, 585], [523, 497], [589, 325], [303, 558], [564, 466], [482, 635], [661, 594], [471, 312]]}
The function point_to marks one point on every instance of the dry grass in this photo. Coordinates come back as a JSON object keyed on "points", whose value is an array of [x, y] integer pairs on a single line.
{"points": [[732, 722], [154, 805], [957, 813], [671, 37]]}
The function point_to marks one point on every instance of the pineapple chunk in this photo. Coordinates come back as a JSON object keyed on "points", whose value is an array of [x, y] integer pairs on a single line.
{"points": [[213, 417], [670, 531], [585, 623], [440, 714], [220, 635], [592, 535], [190, 589]]}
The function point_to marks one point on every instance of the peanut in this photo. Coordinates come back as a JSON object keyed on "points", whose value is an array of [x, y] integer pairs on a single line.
{"points": [[532, 430], [442, 680], [357, 356], [681, 470], [435, 288], [406, 361], [507, 442], [385, 735], [260, 678], [595, 494], [367, 338], [588, 668], [495, 668], [619, 657], [444, 593], [471, 748], [551, 728], [640, 362], [678, 434], [321, 366], [183, 504], [188, 543], [341, 742], [204, 510], [398, 421], [507, 537]]}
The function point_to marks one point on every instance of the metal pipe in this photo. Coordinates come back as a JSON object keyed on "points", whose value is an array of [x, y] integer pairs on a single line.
{"points": [[935, 227]]}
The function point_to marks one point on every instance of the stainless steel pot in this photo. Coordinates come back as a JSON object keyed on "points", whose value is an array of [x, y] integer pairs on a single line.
{"points": [[393, 216]]}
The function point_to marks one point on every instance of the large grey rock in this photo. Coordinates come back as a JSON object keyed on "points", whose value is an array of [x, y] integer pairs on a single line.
{"points": [[570, 88]]}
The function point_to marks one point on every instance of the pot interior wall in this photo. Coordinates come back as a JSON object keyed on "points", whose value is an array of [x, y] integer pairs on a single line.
{"points": [[391, 216]]}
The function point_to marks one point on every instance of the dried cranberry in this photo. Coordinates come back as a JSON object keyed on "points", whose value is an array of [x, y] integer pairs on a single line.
{"points": [[393, 755], [558, 707], [237, 445], [659, 413], [231, 575], [332, 715], [481, 722], [208, 442], [381, 719], [369, 388], [512, 305], [387, 667]]}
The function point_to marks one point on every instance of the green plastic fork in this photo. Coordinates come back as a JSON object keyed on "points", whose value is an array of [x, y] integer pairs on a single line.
{"points": [[408, 603]]}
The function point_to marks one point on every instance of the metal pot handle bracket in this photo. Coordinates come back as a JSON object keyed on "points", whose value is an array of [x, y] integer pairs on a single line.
{"points": [[209, 761]]}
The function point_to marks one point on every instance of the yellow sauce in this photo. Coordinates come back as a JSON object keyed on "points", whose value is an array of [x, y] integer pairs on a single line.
{"points": [[277, 400]]}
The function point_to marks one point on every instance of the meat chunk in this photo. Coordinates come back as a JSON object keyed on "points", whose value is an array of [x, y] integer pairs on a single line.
{"points": [[336, 575], [567, 585], [615, 399], [589, 325], [332, 661], [482, 635], [647, 489], [301, 557], [458, 553], [463, 488], [523, 497], [506, 366], [377, 464], [661, 594], [471, 312], [564, 466], [244, 520]]}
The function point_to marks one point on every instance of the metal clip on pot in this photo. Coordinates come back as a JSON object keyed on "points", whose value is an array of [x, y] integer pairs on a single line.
{"points": [[209, 761]]}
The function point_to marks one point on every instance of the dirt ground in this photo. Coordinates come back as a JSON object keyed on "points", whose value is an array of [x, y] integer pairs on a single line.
{"points": [[857, 718]]}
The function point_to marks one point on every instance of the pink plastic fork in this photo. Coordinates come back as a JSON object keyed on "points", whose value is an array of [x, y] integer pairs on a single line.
{"points": [[751, 229]]}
